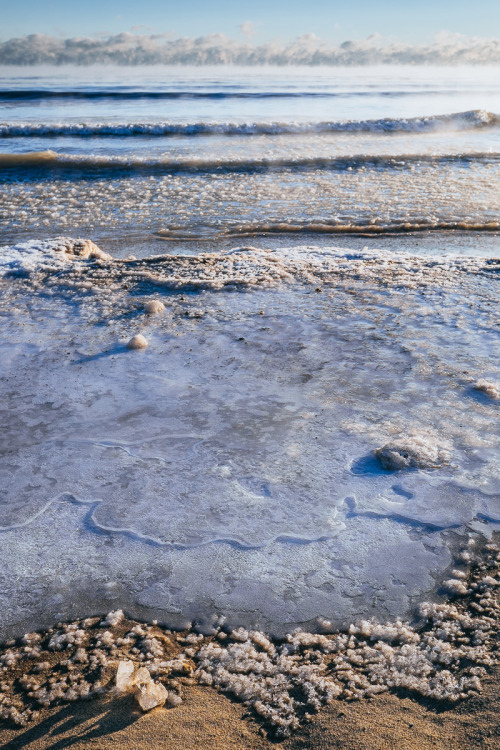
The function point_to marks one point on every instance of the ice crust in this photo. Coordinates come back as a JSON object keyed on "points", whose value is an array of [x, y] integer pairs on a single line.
{"points": [[37, 256], [229, 469]]}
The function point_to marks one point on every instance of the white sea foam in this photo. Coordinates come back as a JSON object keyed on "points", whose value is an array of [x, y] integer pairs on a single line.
{"points": [[180, 198]]}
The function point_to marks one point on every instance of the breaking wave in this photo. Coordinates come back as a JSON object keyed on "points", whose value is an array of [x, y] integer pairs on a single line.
{"points": [[50, 160], [449, 122]]}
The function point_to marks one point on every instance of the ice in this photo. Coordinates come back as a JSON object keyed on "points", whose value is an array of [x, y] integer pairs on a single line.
{"points": [[153, 307], [123, 674], [490, 389], [151, 695], [414, 451], [137, 342], [148, 693], [230, 469], [26, 257]]}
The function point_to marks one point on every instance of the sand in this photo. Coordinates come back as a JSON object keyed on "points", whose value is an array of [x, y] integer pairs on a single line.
{"points": [[209, 719]]}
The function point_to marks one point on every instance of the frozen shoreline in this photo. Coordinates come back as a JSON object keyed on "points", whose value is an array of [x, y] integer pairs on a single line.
{"points": [[231, 462], [283, 683]]}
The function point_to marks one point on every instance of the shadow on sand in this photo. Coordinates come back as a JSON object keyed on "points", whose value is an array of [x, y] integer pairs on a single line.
{"points": [[79, 722]]}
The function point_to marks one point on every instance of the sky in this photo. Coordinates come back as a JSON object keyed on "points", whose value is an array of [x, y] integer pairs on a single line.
{"points": [[259, 21]]}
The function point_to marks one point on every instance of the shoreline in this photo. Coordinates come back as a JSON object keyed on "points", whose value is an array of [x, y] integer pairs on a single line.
{"points": [[214, 721], [282, 687]]}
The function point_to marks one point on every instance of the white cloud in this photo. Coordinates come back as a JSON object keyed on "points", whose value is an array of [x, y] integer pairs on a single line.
{"points": [[215, 49]]}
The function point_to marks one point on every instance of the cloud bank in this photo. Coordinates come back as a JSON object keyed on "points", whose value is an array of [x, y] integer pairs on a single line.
{"points": [[217, 49]]}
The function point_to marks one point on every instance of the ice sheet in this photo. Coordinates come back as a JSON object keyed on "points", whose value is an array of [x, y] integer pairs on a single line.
{"points": [[229, 467]]}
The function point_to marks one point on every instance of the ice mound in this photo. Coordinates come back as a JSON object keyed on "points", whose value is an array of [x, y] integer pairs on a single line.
{"points": [[137, 342], [47, 255], [153, 307], [412, 452], [490, 389]]}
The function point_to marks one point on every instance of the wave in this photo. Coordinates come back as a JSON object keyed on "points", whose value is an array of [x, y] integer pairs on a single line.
{"points": [[52, 161], [324, 228], [30, 94], [456, 121], [19, 95]]}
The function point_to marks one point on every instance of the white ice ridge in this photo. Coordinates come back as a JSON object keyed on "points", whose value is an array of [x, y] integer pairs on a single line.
{"points": [[244, 266], [47, 255], [231, 465]]}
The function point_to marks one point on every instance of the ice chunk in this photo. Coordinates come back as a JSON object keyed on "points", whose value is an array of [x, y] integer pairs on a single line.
{"points": [[150, 695], [412, 452], [141, 678], [137, 342], [147, 693], [490, 389], [123, 675], [154, 306]]}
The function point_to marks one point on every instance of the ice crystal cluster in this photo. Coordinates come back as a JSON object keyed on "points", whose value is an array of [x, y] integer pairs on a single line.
{"points": [[86, 659], [284, 683]]}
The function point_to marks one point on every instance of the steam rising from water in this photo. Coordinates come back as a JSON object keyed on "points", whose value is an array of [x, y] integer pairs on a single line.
{"points": [[217, 49]]}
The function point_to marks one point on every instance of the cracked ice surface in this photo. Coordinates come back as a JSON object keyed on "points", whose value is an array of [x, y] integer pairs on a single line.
{"points": [[229, 468]]}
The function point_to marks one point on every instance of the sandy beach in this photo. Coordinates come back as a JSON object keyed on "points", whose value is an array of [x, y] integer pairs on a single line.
{"points": [[212, 720]]}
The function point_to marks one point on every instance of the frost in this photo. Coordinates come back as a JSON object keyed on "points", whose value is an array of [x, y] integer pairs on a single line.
{"points": [[112, 619]]}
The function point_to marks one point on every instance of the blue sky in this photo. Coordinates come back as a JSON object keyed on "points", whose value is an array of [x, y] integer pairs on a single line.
{"points": [[285, 19]]}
